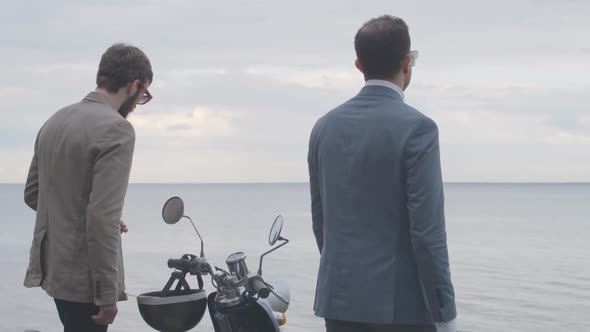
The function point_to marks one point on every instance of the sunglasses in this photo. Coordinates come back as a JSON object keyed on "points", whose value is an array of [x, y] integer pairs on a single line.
{"points": [[145, 96], [413, 57]]}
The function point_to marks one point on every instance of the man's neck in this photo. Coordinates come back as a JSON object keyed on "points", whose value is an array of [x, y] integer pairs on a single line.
{"points": [[397, 80]]}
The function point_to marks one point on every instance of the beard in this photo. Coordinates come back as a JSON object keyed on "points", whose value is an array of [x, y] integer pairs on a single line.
{"points": [[128, 104]]}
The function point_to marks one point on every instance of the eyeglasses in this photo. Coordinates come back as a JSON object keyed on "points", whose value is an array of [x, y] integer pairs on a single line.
{"points": [[413, 57], [144, 97]]}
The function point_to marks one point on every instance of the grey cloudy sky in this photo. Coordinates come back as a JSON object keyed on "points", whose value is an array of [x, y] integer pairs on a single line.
{"points": [[239, 84]]}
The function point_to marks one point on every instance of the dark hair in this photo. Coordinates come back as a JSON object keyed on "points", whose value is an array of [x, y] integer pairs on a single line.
{"points": [[122, 64], [381, 45]]}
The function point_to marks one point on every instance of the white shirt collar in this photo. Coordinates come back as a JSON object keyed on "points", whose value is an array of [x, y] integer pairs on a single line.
{"points": [[388, 84]]}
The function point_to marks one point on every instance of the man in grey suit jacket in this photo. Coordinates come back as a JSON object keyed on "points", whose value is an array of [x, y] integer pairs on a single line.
{"points": [[377, 200], [77, 183]]}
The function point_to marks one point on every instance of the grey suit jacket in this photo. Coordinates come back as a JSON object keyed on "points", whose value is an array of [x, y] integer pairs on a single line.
{"points": [[378, 215], [77, 184]]}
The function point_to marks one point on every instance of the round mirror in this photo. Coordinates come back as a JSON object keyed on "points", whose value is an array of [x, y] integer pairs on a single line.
{"points": [[173, 210], [275, 231]]}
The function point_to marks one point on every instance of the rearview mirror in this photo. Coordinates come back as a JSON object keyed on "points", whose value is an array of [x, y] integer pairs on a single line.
{"points": [[273, 237], [275, 230], [173, 210]]}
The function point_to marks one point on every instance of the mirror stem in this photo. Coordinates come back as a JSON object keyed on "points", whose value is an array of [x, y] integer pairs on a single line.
{"points": [[285, 241], [200, 238]]}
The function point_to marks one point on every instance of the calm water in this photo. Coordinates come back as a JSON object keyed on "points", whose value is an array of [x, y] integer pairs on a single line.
{"points": [[519, 253]]}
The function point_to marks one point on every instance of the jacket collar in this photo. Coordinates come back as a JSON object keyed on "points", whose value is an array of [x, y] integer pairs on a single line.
{"points": [[379, 90], [96, 97]]}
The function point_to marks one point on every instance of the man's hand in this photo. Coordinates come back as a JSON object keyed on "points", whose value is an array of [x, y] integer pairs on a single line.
{"points": [[124, 228], [106, 314]]}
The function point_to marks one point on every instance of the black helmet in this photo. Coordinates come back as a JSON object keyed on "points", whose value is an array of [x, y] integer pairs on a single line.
{"points": [[174, 310]]}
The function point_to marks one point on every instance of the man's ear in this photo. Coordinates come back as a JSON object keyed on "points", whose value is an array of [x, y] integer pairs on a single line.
{"points": [[359, 66], [132, 87], [406, 64]]}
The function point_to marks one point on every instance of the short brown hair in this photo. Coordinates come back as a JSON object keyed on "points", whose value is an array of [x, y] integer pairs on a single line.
{"points": [[122, 64], [381, 44]]}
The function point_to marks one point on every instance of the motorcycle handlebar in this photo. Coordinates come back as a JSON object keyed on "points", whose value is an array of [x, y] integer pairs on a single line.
{"points": [[193, 265], [260, 288], [179, 263]]}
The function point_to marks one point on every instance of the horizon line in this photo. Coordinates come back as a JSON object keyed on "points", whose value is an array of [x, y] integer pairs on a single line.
{"points": [[306, 182]]}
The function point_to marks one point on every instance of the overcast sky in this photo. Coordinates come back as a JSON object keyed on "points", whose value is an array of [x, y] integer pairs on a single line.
{"points": [[238, 85]]}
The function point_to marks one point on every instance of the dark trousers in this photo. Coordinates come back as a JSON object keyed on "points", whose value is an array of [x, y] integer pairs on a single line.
{"points": [[77, 317], [342, 326]]}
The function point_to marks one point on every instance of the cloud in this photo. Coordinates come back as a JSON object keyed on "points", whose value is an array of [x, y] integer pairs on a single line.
{"points": [[584, 3], [185, 73], [198, 123], [51, 71], [238, 86], [569, 138], [324, 78], [480, 127]]}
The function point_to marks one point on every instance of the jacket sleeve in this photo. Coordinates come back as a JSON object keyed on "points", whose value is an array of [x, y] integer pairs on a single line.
{"points": [[317, 215], [32, 184], [112, 166], [427, 219]]}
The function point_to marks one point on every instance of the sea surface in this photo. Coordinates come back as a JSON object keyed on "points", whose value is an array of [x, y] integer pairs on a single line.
{"points": [[520, 253]]}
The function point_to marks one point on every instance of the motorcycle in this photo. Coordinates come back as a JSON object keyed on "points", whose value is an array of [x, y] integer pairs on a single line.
{"points": [[243, 300]]}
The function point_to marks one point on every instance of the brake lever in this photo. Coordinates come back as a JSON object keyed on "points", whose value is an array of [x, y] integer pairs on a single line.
{"points": [[220, 270]]}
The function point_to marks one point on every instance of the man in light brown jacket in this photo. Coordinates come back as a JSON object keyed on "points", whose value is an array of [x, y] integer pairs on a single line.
{"points": [[77, 183]]}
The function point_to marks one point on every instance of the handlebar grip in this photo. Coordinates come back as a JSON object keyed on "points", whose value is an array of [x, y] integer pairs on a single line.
{"points": [[175, 263], [260, 288]]}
